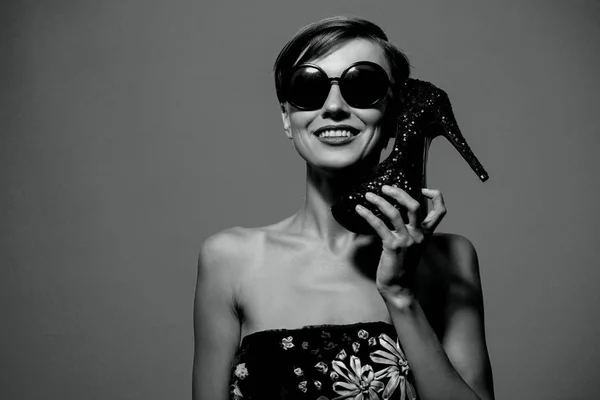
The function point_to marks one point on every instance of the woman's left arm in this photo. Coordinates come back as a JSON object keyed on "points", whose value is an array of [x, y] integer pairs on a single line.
{"points": [[458, 367], [464, 337]]}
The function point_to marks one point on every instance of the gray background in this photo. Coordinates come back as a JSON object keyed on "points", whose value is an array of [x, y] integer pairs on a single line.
{"points": [[132, 130]]}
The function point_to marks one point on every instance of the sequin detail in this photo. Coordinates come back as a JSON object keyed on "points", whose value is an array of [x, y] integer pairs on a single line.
{"points": [[426, 113]]}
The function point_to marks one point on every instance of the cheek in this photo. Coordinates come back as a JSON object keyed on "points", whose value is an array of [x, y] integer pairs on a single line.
{"points": [[382, 125], [374, 116], [299, 121], [375, 119]]}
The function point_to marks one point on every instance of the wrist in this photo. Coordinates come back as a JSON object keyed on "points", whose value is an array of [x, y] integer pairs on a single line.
{"points": [[398, 297]]}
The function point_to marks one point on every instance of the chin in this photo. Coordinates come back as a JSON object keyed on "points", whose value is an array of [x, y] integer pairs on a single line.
{"points": [[338, 164], [335, 159]]}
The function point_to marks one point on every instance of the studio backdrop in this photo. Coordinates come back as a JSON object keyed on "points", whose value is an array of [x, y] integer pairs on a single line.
{"points": [[130, 131]]}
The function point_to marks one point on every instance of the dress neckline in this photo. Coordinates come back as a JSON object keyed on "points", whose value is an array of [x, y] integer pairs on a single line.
{"points": [[306, 328]]}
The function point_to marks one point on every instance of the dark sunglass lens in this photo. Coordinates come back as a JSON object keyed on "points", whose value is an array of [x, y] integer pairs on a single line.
{"points": [[308, 88], [364, 85]]}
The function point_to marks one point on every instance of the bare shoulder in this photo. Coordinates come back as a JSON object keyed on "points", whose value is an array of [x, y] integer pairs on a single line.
{"points": [[457, 256], [227, 251], [228, 243], [448, 274]]}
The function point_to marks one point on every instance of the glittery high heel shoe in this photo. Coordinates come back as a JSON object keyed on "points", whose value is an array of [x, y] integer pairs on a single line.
{"points": [[426, 113]]}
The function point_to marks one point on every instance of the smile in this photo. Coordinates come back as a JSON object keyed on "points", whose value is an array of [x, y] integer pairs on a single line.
{"points": [[336, 134], [340, 137]]}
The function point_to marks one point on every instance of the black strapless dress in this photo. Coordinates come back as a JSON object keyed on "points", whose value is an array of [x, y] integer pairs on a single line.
{"points": [[361, 361]]}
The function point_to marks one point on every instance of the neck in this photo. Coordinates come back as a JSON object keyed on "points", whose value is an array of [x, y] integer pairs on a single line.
{"points": [[323, 189]]}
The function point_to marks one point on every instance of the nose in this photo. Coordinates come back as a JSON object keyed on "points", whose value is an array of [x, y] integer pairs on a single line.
{"points": [[335, 105]]}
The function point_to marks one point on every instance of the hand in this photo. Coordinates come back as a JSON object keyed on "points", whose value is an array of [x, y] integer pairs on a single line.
{"points": [[401, 248]]}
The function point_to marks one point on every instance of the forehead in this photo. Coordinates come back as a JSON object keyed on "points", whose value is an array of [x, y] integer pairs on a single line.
{"points": [[350, 52]]}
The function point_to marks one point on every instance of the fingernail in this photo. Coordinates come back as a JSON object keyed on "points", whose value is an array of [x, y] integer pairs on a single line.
{"points": [[359, 207], [386, 187], [369, 195]]}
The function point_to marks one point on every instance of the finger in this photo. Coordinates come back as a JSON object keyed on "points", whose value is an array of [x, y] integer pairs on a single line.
{"points": [[435, 216], [378, 225], [411, 205], [389, 211]]}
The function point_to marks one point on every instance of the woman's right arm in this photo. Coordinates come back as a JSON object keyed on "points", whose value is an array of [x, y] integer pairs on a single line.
{"points": [[216, 325]]}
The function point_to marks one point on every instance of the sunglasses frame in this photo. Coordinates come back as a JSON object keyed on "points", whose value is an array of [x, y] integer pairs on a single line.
{"points": [[339, 80]]}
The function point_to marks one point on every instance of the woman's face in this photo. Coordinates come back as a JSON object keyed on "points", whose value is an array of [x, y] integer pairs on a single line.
{"points": [[301, 126]]}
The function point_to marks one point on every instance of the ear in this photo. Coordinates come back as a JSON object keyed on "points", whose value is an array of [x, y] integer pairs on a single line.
{"points": [[285, 117]]}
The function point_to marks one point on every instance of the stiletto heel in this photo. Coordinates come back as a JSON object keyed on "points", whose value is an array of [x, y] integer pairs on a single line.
{"points": [[426, 113]]}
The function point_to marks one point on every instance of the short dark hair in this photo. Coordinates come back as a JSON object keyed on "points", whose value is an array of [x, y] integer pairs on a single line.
{"points": [[319, 38]]}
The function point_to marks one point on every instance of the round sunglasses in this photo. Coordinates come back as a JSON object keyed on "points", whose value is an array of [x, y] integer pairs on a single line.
{"points": [[362, 85]]}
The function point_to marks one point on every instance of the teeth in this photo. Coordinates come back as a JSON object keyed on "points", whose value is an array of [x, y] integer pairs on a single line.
{"points": [[335, 133]]}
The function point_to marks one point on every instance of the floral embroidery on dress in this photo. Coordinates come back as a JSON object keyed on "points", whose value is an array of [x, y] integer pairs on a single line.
{"points": [[322, 367], [241, 371], [302, 386], [362, 334], [397, 369], [355, 362], [342, 355], [330, 345], [359, 381], [235, 391], [287, 342]]}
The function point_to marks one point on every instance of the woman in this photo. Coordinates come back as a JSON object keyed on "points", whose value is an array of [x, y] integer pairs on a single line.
{"points": [[305, 308]]}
